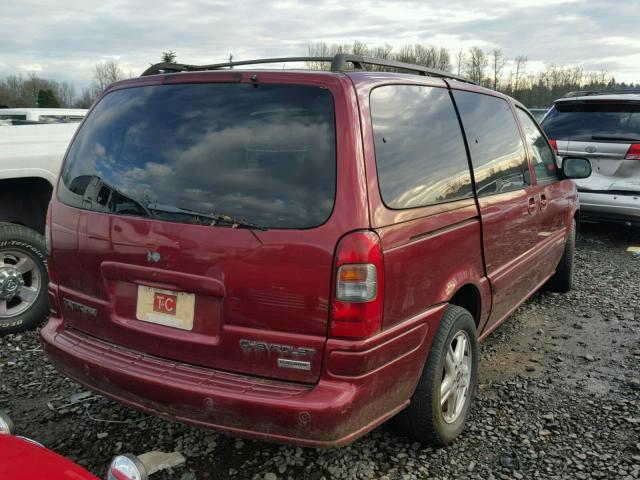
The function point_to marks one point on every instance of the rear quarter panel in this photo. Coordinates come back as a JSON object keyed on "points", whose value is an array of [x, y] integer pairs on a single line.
{"points": [[427, 260], [429, 252]]}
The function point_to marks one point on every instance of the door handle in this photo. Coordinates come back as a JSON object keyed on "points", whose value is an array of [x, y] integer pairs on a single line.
{"points": [[532, 205], [543, 201]]}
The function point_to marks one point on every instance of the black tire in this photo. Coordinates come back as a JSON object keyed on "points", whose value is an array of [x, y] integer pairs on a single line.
{"points": [[424, 419], [562, 280], [30, 245]]}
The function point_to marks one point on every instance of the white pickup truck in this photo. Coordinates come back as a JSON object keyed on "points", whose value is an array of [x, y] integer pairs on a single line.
{"points": [[30, 158], [25, 116]]}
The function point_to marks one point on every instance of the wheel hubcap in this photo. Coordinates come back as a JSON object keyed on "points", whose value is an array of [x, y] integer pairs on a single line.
{"points": [[20, 282], [10, 282], [456, 377]]}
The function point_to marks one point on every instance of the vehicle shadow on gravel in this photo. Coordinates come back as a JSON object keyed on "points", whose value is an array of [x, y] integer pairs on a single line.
{"points": [[558, 398]]}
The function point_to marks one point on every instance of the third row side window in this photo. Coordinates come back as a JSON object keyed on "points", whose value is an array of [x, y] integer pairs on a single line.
{"points": [[497, 152], [420, 154]]}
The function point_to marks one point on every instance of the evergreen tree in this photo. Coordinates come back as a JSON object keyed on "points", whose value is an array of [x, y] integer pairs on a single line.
{"points": [[168, 57], [47, 99]]}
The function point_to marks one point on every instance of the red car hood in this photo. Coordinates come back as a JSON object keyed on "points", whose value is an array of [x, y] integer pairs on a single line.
{"points": [[23, 460]]}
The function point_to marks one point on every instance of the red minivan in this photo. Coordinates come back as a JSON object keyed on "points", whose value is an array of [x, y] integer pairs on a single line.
{"points": [[298, 256]]}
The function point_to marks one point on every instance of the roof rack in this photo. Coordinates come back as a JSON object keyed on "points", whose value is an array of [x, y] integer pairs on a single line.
{"points": [[588, 93], [338, 64]]}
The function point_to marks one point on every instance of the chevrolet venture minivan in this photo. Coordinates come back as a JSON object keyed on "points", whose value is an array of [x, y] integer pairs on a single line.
{"points": [[298, 256]]}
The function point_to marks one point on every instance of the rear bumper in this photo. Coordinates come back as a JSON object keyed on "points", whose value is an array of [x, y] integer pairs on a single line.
{"points": [[362, 385], [610, 207]]}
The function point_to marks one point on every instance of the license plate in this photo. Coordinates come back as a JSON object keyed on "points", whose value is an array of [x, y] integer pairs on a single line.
{"points": [[165, 307]]}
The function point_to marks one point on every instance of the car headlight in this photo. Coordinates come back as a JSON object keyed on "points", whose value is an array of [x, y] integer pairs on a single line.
{"points": [[6, 425], [127, 467]]}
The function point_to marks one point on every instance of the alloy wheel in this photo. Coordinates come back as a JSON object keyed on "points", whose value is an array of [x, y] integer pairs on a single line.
{"points": [[20, 282], [456, 377]]}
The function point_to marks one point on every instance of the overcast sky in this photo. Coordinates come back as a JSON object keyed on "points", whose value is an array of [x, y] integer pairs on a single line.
{"points": [[63, 40]]}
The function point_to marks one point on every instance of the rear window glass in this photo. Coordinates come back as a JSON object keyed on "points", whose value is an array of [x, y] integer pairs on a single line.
{"points": [[263, 153], [591, 121], [420, 151]]}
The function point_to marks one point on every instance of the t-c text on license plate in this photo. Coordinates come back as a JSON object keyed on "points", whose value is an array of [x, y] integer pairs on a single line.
{"points": [[165, 307], [165, 303]]}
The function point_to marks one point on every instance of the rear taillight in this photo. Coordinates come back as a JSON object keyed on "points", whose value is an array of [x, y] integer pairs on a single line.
{"points": [[47, 232], [634, 152], [357, 283], [554, 145], [356, 309]]}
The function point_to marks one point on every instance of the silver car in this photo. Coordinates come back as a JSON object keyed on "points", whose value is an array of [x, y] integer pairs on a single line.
{"points": [[605, 128]]}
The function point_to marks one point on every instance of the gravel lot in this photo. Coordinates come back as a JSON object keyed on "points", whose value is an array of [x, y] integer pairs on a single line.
{"points": [[559, 398]]}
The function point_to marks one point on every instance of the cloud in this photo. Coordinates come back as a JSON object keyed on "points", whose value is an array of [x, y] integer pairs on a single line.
{"points": [[65, 40]]}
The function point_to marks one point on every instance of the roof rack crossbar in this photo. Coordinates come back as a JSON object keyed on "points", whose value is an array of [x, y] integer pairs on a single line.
{"points": [[168, 68], [178, 67], [338, 64]]}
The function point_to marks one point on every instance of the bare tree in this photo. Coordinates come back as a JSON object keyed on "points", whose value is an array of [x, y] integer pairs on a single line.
{"points": [[33, 85], [321, 49], [65, 92], [427, 56], [443, 61], [476, 65], [13, 92], [537, 89], [17, 91], [497, 64], [381, 51], [417, 54], [460, 61], [87, 97], [106, 73], [520, 66]]}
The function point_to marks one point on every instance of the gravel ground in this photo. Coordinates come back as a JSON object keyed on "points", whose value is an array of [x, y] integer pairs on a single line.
{"points": [[558, 398]]}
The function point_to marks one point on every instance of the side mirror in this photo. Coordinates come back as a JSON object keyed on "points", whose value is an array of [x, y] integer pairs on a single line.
{"points": [[576, 167]]}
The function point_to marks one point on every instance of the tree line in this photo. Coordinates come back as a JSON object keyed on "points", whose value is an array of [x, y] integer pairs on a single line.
{"points": [[33, 91], [490, 68]]}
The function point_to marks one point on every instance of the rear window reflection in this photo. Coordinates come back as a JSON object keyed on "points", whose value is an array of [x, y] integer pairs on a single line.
{"points": [[265, 154]]}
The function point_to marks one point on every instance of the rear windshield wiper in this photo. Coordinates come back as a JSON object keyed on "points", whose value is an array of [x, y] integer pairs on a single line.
{"points": [[214, 217], [619, 138], [222, 218]]}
